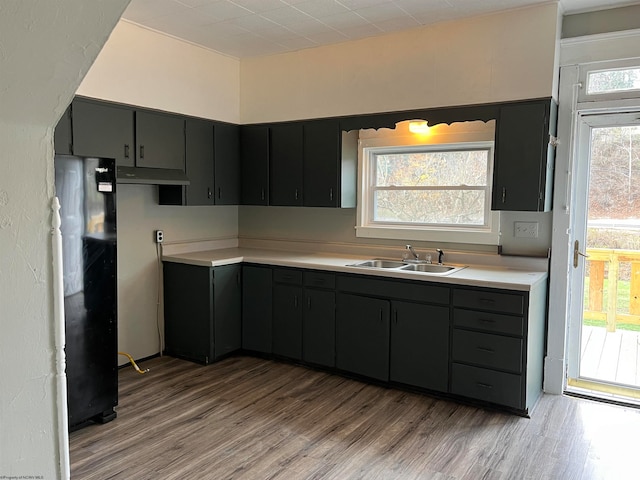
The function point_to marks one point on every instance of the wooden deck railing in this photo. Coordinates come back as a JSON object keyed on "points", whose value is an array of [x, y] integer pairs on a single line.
{"points": [[594, 308]]}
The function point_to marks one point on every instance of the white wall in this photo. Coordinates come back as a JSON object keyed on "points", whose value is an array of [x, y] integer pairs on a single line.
{"points": [[505, 56], [47, 47], [144, 68], [138, 216]]}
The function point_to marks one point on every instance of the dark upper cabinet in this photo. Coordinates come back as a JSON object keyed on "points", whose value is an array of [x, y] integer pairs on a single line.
{"points": [[160, 140], [419, 352], [286, 164], [103, 130], [199, 163], [254, 161], [226, 146], [212, 166], [62, 139], [257, 304], [330, 164], [523, 166]]}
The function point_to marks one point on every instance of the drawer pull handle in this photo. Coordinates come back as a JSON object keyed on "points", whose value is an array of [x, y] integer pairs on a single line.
{"points": [[484, 385], [485, 349], [295, 301], [487, 301], [487, 320]]}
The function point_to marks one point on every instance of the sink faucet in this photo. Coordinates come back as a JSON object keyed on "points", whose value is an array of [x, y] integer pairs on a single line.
{"points": [[440, 255], [413, 252]]}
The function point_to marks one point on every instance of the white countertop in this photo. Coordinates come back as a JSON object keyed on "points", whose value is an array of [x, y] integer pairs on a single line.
{"points": [[484, 276]]}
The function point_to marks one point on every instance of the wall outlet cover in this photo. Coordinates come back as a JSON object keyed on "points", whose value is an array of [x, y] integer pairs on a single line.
{"points": [[526, 229], [159, 236]]}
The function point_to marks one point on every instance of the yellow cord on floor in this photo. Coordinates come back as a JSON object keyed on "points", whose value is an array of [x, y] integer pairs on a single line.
{"points": [[133, 362]]}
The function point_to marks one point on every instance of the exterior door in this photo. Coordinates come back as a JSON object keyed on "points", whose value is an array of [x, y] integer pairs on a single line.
{"points": [[605, 265]]}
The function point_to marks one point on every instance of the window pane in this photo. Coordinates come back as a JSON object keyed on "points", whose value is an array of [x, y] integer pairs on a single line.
{"points": [[448, 168], [435, 207], [613, 81]]}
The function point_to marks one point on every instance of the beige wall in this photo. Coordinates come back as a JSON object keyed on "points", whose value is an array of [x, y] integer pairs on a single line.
{"points": [[144, 68], [505, 56], [497, 57], [47, 47]]}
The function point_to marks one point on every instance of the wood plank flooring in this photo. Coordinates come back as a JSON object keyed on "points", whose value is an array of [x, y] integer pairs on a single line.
{"points": [[610, 356], [249, 418]]}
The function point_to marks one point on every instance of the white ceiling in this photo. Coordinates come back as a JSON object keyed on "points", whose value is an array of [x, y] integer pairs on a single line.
{"points": [[250, 28]]}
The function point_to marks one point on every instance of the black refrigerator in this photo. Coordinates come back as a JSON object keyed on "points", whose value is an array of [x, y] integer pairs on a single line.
{"points": [[86, 188]]}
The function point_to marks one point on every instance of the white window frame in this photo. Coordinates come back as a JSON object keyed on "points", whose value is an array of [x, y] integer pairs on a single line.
{"points": [[488, 234]]}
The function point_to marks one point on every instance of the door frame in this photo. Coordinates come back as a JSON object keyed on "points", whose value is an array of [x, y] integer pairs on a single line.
{"points": [[560, 282]]}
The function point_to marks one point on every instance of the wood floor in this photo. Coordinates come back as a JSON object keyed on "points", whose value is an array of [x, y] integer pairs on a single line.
{"points": [[610, 356], [248, 418]]}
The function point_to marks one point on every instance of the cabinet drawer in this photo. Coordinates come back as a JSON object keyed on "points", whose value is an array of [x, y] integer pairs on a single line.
{"points": [[489, 322], [488, 385], [402, 290], [319, 280], [484, 349], [488, 300], [284, 275]]}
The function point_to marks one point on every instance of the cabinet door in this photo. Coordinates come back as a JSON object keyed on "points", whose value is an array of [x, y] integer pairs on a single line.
{"points": [[227, 303], [322, 157], [286, 159], [319, 327], [62, 140], [362, 335], [188, 311], [287, 321], [227, 164], [522, 140], [101, 130], [256, 308], [254, 164], [159, 140], [199, 162], [420, 345]]}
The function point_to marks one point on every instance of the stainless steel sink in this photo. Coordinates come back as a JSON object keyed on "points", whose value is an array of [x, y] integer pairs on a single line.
{"points": [[379, 263], [432, 268]]}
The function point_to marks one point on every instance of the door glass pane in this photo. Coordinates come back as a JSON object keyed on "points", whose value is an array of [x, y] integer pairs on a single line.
{"points": [[609, 81], [611, 324]]}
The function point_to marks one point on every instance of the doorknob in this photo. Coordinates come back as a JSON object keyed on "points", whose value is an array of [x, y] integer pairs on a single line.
{"points": [[577, 253]]}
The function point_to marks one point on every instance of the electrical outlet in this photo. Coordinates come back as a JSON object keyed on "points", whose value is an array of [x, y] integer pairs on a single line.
{"points": [[526, 229], [159, 236]]}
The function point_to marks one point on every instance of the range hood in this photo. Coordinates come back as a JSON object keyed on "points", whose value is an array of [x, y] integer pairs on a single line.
{"points": [[151, 176]]}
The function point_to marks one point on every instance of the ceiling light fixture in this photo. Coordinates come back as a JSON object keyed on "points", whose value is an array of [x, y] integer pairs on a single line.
{"points": [[418, 126]]}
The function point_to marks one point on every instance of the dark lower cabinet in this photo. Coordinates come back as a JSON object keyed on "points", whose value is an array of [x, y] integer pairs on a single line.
{"points": [[362, 335], [227, 305], [202, 311], [420, 345], [287, 321], [287, 313], [257, 301], [319, 327]]}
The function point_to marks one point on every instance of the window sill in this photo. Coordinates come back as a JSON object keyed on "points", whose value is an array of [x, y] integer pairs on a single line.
{"points": [[484, 237]]}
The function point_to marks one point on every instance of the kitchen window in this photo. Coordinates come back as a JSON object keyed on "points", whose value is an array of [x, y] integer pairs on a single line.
{"points": [[439, 192]]}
